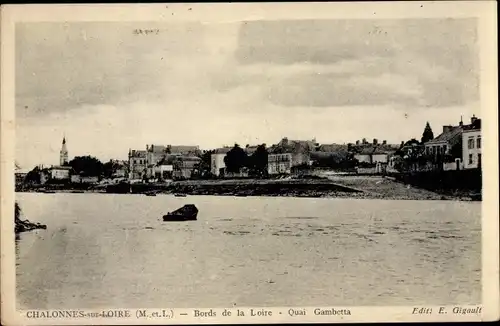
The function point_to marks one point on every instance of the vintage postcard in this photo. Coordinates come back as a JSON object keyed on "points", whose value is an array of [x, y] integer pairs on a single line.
{"points": [[249, 163]]}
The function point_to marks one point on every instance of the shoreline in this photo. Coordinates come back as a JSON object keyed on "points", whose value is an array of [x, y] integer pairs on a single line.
{"points": [[355, 187]]}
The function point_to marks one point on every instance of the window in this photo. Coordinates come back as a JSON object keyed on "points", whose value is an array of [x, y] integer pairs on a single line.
{"points": [[471, 142], [479, 160], [478, 142], [445, 148], [470, 159]]}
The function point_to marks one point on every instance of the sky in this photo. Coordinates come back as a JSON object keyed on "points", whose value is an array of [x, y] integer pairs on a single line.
{"points": [[108, 89]]}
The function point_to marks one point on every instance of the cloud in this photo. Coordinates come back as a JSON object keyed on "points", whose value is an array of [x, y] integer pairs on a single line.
{"points": [[337, 63], [61, 66], [215, 84]]}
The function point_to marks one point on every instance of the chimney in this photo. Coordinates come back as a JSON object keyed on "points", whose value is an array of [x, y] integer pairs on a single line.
{"points": [[447, 128], [375, 141], [461, 123], [364, 141], [473, 119], [147, 147], [384, 142], [357, 142]]}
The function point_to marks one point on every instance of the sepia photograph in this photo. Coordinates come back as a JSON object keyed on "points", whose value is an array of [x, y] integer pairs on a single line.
{"points": [[317, 164]]}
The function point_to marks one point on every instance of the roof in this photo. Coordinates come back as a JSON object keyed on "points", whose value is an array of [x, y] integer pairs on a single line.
{"points": [[332, 148], [367, 150], [183, 148], [374, 149], [157, 148], [287, 145], [446, 136], [138, 153], [474, 126]]}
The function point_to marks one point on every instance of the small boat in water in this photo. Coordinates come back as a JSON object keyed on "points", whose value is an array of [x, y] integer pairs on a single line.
{"points": [[185, 213], [180, 195], [152, 194]]}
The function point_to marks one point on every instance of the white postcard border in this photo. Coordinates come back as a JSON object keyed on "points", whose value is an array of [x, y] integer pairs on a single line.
{"points": [[217, 13]]}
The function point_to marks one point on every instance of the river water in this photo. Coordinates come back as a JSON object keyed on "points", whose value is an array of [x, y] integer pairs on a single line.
{"points": [[105, 251]]}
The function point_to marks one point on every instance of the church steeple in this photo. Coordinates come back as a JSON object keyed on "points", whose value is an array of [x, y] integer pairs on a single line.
{"points": [[63, 154]]}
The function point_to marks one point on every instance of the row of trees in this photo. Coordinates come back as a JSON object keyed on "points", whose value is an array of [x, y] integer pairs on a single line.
{"points": [[237, 159], [93, 167], [87, 166]]}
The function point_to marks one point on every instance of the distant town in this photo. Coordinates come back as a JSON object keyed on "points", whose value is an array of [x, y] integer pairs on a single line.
{"points": [[456, 148]]}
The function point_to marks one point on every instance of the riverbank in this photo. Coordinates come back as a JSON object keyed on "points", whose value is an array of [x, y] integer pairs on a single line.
{"points": [[341, 186]]}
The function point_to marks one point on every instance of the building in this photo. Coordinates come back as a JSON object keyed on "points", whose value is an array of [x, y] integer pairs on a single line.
{"points": [[382, 155], [121, 170], [364, 155], [59, 173], [217, 164], [279, 163], [185, 150], [63, 153], [154, 154], [137, 160], [373, 153], [450, 138], [450, 144], [299, 149], [20, 176], [185, 166], [471, 144], [75, 178], [163, 171], [411, 148]]}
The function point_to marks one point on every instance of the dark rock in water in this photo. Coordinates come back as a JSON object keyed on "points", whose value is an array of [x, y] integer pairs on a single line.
{"points": [[26, 225], [185, 213]]}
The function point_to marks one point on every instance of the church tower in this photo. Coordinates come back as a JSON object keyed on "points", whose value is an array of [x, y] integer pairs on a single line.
{"points": [[63, 154]]}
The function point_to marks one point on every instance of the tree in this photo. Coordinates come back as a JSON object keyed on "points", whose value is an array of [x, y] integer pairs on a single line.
{"points": [[109, 168], [206, 160], [87, 166], [33, 176], [428, 134], [235, 159], [259, 160]]}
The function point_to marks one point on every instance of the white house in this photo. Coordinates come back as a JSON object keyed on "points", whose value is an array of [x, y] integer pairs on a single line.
{"points": [[217, 164], [60, 172], [279, 163], [471, 144], [365, 155]]}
